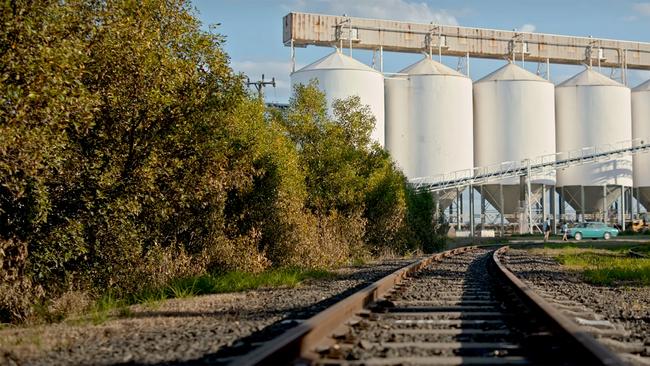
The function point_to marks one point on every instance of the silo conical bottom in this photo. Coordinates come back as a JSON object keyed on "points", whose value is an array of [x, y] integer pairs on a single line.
{"points": [[512, 203], [643, 195], [445, 198], [595, 199]]}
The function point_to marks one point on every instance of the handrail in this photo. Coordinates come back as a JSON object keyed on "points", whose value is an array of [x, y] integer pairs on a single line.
{"points": [[539, 165]]}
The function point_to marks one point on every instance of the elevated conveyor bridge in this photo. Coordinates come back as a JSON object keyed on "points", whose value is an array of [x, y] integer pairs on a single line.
{"points": [[469, 178], [529, 167]]}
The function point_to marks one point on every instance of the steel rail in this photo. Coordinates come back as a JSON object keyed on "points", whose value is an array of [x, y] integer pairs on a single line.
{"points": [[598, 354], [298, 345], [297, 342]]}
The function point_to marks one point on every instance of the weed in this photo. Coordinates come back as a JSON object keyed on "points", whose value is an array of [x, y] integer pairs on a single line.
{"points": [[181, 288], [606, 267]]}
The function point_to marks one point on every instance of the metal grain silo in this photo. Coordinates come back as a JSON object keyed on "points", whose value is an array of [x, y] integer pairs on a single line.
{"points": [[341, 76], [440, 109], [641, 131], [398, 123], [514, 119], [429, 121], [593, 110]]}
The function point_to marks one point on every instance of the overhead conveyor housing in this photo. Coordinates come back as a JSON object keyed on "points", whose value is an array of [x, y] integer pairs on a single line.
{"points": [[303, 29]]}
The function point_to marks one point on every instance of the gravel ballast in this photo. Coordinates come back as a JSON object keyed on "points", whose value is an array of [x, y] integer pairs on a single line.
{"points": [[198, 330], [626, 308]]}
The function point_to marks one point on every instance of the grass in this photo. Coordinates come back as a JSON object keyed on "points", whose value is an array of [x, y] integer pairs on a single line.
{"points": [[242, 281], [106, 305], [109, 305], [602, 264]]}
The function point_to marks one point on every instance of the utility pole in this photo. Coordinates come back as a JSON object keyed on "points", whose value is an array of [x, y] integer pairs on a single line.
{"points": [[259, 85]]}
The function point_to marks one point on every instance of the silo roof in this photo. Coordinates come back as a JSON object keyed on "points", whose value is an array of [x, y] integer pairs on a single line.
{"points": [[511, 72], [337, 60], [427, 66], [589, 77], [643, 87]]}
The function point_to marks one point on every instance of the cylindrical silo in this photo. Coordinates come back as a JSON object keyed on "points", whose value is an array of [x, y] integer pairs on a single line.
{"points": [[341, 76], [593, 110], [514, 119], [641, 131], [436, 124], [398, 123]]}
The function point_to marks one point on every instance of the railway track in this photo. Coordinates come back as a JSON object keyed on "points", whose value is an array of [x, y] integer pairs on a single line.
{"points": [[457, 307]]}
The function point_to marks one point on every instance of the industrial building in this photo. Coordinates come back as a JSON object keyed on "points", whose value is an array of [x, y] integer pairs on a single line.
{"points": [[532, 150]]}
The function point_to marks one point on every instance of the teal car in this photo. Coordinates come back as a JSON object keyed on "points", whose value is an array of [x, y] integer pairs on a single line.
{"points": [[592, 230]]}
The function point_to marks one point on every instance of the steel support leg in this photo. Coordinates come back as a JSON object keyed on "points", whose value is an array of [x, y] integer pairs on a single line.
{"points": [[623, 208], [503, 224], [582, 204], [638, 204], [605, 203], [551, 201], [561, 205], [461, 220], [471, 211], [529, 202], [482, 209]]}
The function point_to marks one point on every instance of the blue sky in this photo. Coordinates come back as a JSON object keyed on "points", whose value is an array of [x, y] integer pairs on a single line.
{"points": [[254, 29]]}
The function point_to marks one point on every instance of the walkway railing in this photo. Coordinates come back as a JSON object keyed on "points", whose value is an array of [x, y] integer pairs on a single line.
{"points": [[540, 165]]}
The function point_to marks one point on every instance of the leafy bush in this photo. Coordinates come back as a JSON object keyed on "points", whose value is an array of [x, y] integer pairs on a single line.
{"points": [[131, 156]]}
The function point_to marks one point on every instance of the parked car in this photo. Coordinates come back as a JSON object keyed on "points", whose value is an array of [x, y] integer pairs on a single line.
{"points": [[592, 230]]}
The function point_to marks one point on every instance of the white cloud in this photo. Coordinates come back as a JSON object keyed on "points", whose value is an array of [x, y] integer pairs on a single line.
{"points": [[381, 9], [642, 9], [527, 28], [279, 70]]}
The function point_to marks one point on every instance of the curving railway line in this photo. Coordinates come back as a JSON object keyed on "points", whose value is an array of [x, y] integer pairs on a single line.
{"points": [[457, 307]]}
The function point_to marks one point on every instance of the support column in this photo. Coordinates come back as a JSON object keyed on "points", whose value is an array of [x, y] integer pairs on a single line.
{"points": [[503, 225], [458, 200], [471, 211], [623, 208], [482, 209], [582, 204], [529, 201], [605, 203], [638, 204], [560, 203], [551, 201], [451, 206], [462, 212], [543, 202]]}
